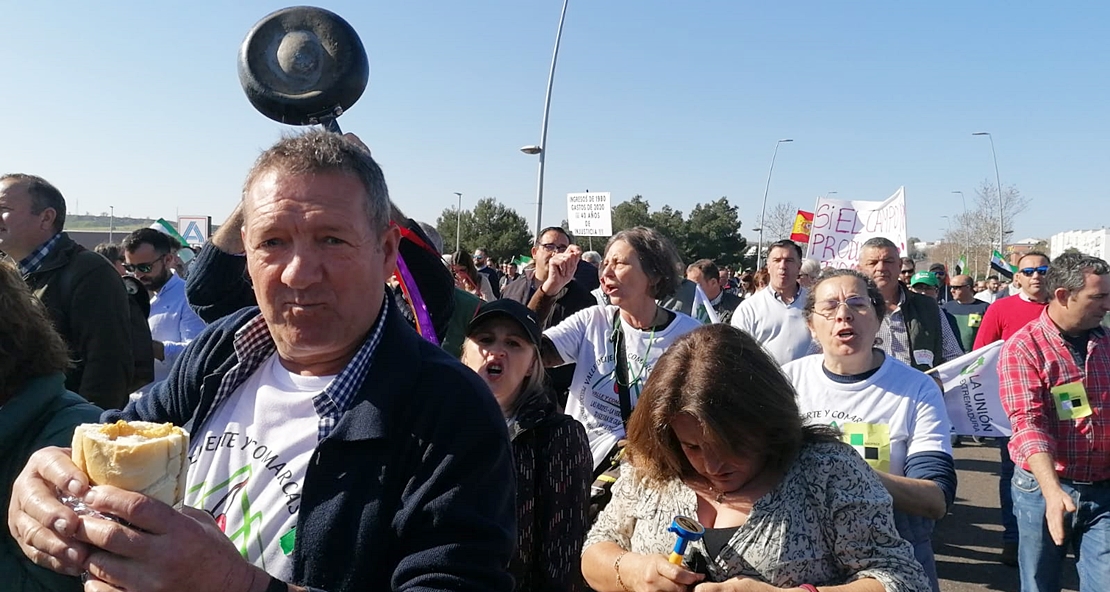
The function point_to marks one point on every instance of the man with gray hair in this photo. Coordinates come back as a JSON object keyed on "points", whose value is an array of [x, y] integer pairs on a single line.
{"points": [[811, 268], [333, 448], [1055, 387], [914, 330]]}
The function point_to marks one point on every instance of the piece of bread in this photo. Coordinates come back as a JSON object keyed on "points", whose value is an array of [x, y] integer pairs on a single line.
{"points": [[147, 458]]}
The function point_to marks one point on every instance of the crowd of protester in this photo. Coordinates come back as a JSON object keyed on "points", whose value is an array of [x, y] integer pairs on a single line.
{"points": [[369, 412]]}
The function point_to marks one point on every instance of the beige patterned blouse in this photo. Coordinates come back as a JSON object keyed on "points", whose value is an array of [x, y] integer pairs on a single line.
{"points": [[830, 521]]}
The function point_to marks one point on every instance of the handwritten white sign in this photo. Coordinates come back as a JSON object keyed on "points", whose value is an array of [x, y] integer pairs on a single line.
{"points": [[840, 227]]}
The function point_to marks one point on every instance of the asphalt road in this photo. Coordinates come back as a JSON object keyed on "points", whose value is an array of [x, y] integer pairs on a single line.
{"points": [[967, 542]]}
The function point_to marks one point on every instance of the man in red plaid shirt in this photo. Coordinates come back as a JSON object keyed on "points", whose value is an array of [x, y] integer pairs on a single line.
{"points": [[1055, 387]]}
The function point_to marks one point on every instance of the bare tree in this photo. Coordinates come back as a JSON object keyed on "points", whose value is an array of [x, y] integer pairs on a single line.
{"points": [[975, 233], [779, 223]]}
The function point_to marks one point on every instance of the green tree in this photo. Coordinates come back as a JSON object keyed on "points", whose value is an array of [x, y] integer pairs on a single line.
{"points": [[631, 213], [492, 226], [713, 232]]}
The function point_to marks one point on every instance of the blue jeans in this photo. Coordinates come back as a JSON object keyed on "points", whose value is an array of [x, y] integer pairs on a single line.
{"points": [[1006, 501], [1087, 530]]}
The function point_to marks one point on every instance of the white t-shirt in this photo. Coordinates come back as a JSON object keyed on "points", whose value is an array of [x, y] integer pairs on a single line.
{"points": [[897, 412], [585, 338], [779, 327], [248, 467]]}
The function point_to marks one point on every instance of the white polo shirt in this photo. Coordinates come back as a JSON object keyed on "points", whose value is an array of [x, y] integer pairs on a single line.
{"points": [[779, 327]]}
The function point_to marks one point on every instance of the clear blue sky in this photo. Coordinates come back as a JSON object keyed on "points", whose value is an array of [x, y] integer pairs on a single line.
{"points": [[138, 105]]}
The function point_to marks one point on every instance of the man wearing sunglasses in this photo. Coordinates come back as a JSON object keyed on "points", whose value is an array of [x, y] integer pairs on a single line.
{"points": [[967, 311], [81, 290], [906, 271], [148, 255], [1001, 321], [1055, 383], [481, 263]]}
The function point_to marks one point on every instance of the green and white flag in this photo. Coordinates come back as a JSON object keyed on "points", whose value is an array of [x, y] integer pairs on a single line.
{"points": [[703, 309], [971, 393]]}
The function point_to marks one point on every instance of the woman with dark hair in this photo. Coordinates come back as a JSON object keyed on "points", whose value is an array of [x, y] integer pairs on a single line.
{"points": [[552, 454], [36, 411], [614, 346], [890, 412], [717, 437], [467, 277]]}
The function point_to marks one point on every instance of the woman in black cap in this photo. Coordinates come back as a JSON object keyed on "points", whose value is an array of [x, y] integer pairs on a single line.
{"points": [[552, 454]]}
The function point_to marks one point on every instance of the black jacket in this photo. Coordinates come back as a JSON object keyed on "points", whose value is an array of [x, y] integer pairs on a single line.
{"points": [[414, 487]]}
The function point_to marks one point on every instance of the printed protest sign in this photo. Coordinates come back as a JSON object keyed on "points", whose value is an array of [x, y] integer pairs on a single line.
{"points": [[589, 214], [840, 227], [971, 393]]}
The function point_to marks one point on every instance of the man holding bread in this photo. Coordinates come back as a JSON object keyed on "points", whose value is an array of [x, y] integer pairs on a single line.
{"points": [[332, 447]]}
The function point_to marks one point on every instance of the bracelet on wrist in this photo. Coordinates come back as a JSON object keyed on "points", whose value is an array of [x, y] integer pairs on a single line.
{"points": [[617, 568]]}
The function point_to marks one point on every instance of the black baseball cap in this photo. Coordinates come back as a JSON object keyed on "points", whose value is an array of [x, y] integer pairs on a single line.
{"points": [[513, 310]]}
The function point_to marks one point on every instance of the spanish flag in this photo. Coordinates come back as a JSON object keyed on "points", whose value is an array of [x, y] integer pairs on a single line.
{"points": [[802, 223]]}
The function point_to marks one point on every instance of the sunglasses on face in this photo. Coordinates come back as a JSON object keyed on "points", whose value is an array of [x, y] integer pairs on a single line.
{"points": [[1029, 271], [906, 272], [140, 267], [958, 286], [554, 248]]}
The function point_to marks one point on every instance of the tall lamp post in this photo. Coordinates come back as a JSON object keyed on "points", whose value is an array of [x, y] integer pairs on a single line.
{"points": [[458, 224], [963, 230], [763, 210], [998, 182], [111, 224], [542, 148]]}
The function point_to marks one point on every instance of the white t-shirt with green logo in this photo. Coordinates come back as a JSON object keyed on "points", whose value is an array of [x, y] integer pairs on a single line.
{"points": [[895, 413], [585, 338], [247, 468]]}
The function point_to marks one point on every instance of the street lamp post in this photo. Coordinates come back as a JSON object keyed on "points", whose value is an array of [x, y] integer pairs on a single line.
{"points": [[541, 150], [963, 230], [763, 210], [998, 182], [111, 223], [458, 224]]}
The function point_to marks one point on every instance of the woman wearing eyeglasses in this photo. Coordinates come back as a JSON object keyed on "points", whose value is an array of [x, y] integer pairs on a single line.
{"points": [[891, 413]]}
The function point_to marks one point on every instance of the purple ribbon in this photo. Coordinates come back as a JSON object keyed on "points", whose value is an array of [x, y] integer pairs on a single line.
{"points": [[424, 324]]}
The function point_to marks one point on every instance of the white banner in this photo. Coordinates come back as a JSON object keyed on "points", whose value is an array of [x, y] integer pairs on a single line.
{"points": [[840, 227], [589, 214], [971, 393]]}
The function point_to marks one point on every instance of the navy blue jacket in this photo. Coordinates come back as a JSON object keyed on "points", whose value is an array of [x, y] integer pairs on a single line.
{"points": [[412, 490]]}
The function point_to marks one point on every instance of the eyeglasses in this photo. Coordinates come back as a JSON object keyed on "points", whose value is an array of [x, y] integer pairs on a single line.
{"points": [[1029, 271], [906, 272], [554, 248], [828, 308], [140, 267], [939, 273], [958, 286]]}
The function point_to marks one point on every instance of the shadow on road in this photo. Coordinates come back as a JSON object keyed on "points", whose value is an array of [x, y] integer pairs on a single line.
{"points": [[968, 541]]}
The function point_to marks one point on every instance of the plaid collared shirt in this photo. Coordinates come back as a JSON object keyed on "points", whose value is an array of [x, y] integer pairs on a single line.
{"points": [[31, 263], [254, 345], [894, 338], [1034, 360]]}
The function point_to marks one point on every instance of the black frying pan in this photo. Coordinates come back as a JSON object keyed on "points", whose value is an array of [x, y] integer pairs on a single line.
{"points": [[303, 66]]}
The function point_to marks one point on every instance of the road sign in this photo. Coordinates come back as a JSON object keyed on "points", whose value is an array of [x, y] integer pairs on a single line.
{"points": [[589, 214], [194, 229]]}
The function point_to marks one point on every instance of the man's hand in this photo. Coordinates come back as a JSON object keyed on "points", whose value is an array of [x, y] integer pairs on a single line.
{"points": [[1057, 504], [560, 272], [162, 550], [644, 573], [43, 527]]}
